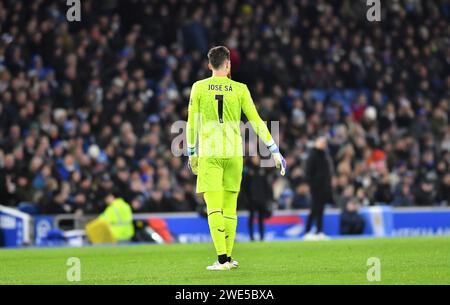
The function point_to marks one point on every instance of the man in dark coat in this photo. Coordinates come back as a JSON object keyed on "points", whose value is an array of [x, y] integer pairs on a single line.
{"points": [[318, 175], [258, 193]]}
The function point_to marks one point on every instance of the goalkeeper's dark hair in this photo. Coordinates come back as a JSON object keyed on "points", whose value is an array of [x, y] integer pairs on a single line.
{"points": [[217, 56]]}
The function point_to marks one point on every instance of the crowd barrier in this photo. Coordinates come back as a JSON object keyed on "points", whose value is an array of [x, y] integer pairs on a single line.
{"points": [[18, 229]]}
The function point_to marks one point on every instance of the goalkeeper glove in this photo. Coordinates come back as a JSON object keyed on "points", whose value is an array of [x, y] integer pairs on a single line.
{"points": [[278, 158], [193, 160]]}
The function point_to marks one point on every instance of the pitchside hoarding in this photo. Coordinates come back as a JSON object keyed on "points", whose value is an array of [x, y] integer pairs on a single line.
{"points": [[16, 228], [289, 225]]}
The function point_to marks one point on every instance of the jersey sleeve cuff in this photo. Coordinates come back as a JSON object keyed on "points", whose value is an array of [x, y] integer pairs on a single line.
{"points": [[191, 150], [272, 146]]}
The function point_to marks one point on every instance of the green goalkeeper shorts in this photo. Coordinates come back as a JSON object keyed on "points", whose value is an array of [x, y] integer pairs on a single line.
{"points": [[219, 174]]}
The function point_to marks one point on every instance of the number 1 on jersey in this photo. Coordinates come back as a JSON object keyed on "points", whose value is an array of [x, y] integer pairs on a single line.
{"points": [[219, 98]]}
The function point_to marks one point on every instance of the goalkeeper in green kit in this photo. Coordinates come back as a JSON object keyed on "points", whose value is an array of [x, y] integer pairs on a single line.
{"points": [[214, 118]]}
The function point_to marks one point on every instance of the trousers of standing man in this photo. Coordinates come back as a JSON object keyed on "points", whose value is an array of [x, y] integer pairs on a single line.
{"points": [[318, 203], [318, 175], [258, 194]]}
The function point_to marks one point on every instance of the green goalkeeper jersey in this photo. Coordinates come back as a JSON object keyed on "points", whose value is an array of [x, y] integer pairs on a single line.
{"points": [[215, 108]]}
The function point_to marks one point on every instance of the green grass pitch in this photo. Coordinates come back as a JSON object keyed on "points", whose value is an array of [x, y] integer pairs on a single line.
{"points": [[424, 260]]}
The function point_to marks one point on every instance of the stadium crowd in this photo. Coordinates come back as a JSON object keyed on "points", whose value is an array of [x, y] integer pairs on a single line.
{"points": [[87, 107]]}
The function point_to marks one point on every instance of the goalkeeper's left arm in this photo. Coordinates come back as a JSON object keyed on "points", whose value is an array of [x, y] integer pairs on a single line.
{"points": [[249, 109], [192, 129]]}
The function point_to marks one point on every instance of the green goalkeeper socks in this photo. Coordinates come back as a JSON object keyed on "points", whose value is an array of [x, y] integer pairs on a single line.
{"points": [[222, 219], [214, 203], [230, 218]]}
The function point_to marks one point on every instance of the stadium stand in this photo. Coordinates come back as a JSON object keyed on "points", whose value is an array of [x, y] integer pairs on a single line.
{"points": [[86, 107]]}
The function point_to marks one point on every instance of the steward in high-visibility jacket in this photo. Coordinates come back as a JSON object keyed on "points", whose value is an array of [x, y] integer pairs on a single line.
{"points": [[119, 216]]}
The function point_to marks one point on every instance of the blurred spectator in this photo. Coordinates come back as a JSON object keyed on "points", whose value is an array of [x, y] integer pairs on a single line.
{"points": [[302, 199], [444, 190], [383, 192], [119, 216], [425, 195], [403, 196], [351, 222], [114, 224], [347, 195]]}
